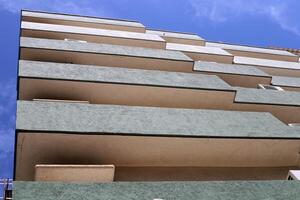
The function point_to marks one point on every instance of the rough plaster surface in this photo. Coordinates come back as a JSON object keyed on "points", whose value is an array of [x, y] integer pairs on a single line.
{"points": [[286, 81], [102, 49], [252, 95], [228, 68], [88, 118], [251, 190], [49, 70]]}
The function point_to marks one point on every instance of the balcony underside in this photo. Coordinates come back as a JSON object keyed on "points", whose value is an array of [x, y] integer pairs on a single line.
{"points": [[263, 55], [94, 38], [184, 41], [209, 57], [105, 60], [240, 80], [124, 94], [155, 158], [280, 71], [249, 81]]}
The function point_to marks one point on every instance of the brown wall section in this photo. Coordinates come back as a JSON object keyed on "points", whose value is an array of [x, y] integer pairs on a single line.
{"points": [[238, 80], [263, 55], [143, 151], [95, 39], [106, 60], [184, 41]]}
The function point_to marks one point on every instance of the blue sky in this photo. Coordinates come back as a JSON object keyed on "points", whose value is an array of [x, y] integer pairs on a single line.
{"points": [[251, 22]]}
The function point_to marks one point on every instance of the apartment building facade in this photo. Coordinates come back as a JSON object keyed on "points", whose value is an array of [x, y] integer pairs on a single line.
{"points": [[109, 109]]}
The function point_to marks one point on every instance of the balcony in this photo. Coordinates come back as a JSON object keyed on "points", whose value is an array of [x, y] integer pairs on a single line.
{"points": [[103, 55], [212, 54], [233, 74], [287, 83], [92, 35], [272, 67], [120, 86], [82, 21], [145, 142], [180, 38], [255, 52]]}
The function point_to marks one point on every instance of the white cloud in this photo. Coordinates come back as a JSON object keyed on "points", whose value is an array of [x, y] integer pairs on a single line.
{"points": [[91, 7], [220, 11], [279, 15]]}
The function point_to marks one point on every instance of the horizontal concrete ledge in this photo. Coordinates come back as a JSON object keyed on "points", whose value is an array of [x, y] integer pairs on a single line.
{"points": [[249, 49], [197, 49], [266, 63], [242, 190], [286, 81], [48, 70], [108, 119], [179, 38], [272, 97], [202, 53], [175, 34], [88, 31], [102, 49], [203, 66], [233, 74], [81, 18]]}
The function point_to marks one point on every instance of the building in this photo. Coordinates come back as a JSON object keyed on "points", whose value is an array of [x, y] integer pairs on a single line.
{"points": [[109, 109]]}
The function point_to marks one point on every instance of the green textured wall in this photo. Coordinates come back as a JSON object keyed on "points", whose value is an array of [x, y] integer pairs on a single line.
{"points": [[262, 190]]}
